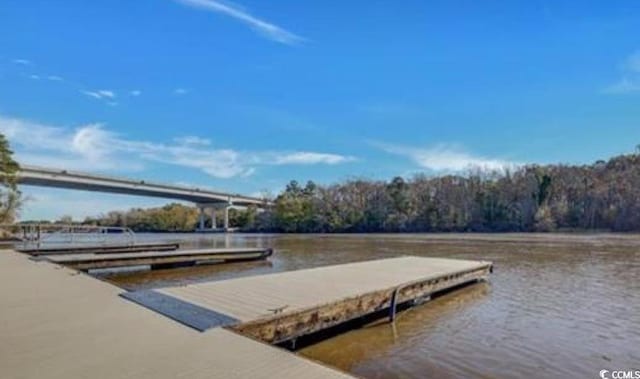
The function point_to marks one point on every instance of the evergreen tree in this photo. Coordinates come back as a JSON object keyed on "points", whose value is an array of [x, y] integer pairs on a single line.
{"points": [[10, 199]]}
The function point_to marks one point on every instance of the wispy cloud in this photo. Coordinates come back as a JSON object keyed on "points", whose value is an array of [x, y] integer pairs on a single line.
{"points": [[94, 147], [23, 62], [310, 158], [630, 81], [107, 95], [92, 94], [625, 85], [265, 28], [180, 91], [446, 158], [193, 141], [102, 94], [632, 63]]}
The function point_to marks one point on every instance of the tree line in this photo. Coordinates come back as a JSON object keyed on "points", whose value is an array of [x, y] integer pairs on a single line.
{"points": [[603, 196], [172, 217]]}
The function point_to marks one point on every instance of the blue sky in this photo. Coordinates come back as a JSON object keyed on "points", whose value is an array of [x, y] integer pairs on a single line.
{"points": [[245, 96]]}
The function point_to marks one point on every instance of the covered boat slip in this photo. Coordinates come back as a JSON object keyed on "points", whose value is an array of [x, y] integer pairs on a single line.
{"points": [[58, 323], [158, 259]]}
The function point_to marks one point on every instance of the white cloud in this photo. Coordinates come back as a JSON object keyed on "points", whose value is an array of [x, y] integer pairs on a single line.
{"points": [[92, 141], [34, 77], [446, 158], [84, 148], [180, 91], [93, 147], [625, 85], [303, 157], [92, 94], [630, 82], [633, 62], [267, 29], [102, 94], [193, 140], [106, 93], [135, 92], [54, 78], [23, 62]]}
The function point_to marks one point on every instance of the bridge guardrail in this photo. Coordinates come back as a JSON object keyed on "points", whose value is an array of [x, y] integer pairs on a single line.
{"points": [[80, 175]]}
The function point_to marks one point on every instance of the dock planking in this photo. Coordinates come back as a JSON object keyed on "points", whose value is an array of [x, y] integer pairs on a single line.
{"points": [[279, 307], [159, 259], [98, 249], [58, 323]]}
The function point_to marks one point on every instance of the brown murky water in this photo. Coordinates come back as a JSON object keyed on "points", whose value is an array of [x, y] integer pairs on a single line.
{"points": [[556, 306]]}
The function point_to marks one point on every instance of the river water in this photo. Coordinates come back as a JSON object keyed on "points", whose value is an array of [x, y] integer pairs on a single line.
{"points": [[556, 306]]}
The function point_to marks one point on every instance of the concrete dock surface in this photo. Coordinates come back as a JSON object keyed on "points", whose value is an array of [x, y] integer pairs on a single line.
{"points": [[81, 248], [96, 261], [254, 297], [57, 323]]}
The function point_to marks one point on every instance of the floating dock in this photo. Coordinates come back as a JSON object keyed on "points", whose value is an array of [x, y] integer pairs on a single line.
{"points": [[159, 259], [59, 323], [99, 249], [279, 307], [56, 323]]}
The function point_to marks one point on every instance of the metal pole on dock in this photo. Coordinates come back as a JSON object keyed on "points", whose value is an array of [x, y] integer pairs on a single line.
{"points": [[393, 305]]}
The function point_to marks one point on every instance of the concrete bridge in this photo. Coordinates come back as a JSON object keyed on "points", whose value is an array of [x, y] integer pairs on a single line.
{"points": [[205, 199]]}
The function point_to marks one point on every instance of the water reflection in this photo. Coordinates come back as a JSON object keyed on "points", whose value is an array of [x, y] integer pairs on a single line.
{"points": [[373, 342], [556, 305]]}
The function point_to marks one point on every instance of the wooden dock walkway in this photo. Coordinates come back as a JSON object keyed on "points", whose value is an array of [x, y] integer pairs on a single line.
{"points": [[98, 249], [58, 323], [279, 307], [158, 259]]}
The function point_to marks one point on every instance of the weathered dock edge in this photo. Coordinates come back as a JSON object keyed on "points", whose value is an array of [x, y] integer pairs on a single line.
{"points": [[280, 328], [98, 249], [159, 259]]}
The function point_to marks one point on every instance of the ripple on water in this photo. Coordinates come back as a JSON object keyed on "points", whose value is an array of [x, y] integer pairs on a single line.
{"points": [[556, 305]]}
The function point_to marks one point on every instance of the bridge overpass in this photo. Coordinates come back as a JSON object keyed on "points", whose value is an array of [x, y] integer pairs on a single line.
{"points": [[204, 199]]}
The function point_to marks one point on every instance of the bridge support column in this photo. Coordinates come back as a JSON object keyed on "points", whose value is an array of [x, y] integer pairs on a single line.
{"points": [[213, 219], [201, 218], [213, 207]]}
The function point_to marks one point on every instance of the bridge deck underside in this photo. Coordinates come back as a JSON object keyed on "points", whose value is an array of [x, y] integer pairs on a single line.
{"points": [[139, 190]]}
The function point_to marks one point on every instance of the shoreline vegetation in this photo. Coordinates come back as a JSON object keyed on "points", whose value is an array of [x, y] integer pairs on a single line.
{"points": [[600, 197], [10, 196]]}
